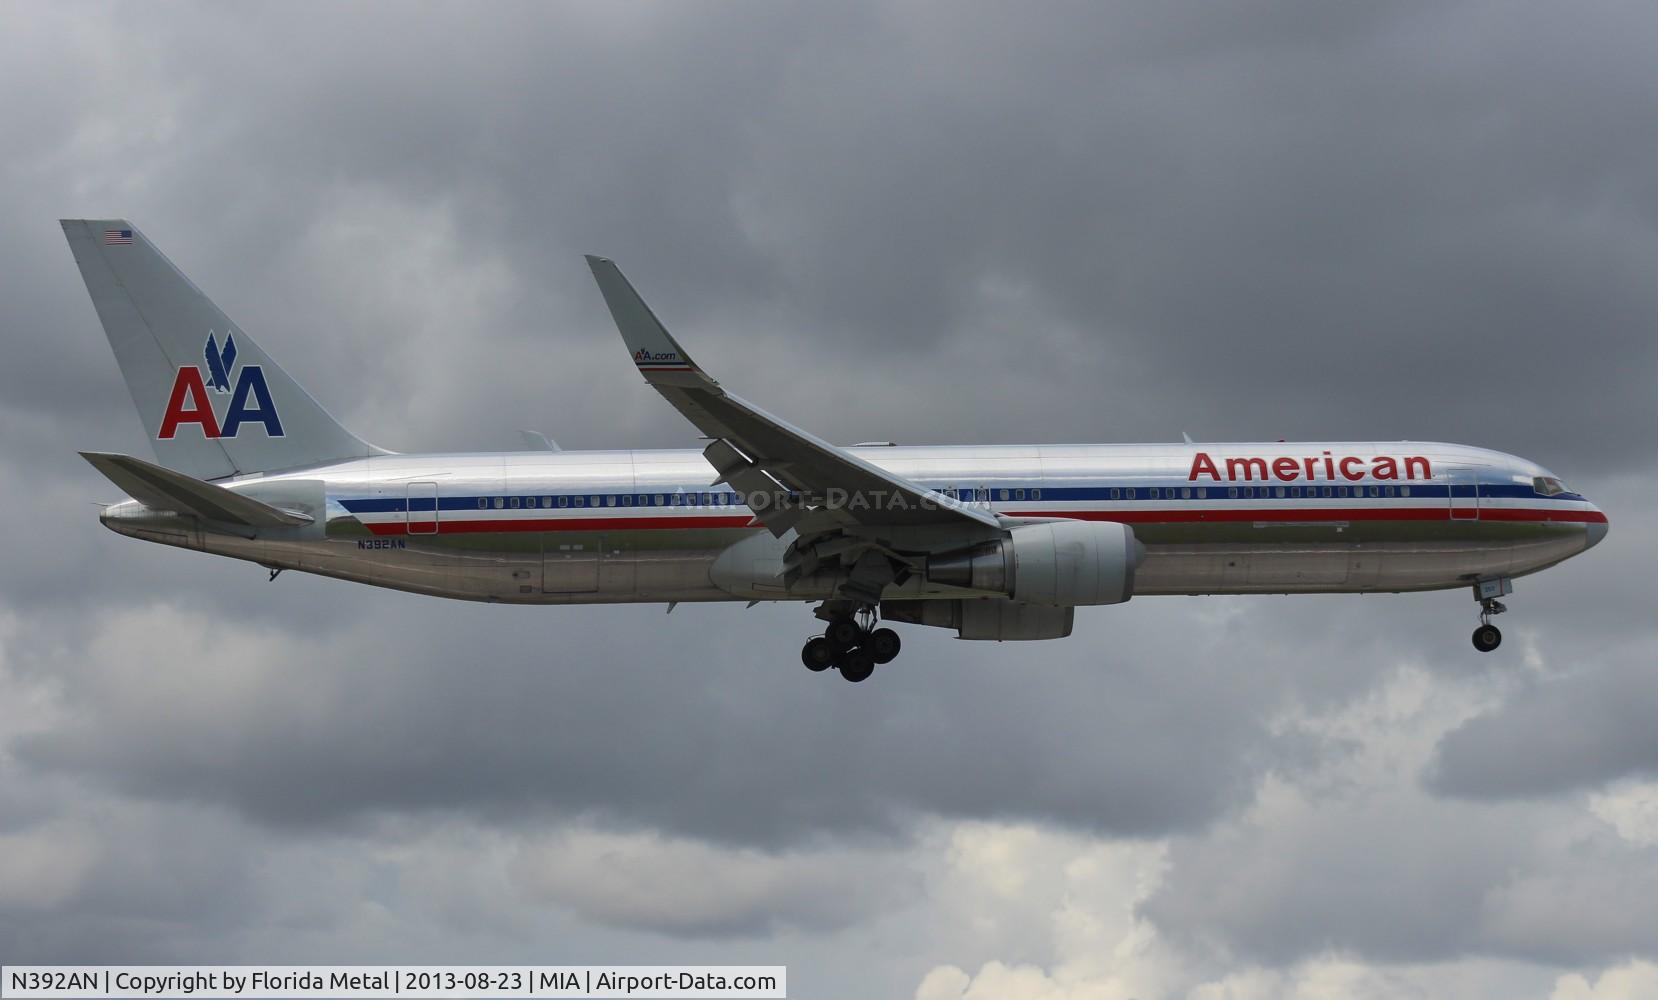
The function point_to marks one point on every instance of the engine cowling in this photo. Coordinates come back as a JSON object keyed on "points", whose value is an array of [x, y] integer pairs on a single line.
{"points": [[986, 618], [1055, 563]]}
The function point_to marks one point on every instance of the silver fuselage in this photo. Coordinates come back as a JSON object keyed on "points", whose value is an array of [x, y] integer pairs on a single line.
{"points": [[637, 526]]}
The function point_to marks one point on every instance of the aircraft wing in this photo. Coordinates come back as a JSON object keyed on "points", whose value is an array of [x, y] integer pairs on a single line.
{"points": [[756, 453]]}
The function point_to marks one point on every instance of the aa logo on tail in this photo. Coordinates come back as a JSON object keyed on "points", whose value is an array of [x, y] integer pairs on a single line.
{"points": [[250, 396]]}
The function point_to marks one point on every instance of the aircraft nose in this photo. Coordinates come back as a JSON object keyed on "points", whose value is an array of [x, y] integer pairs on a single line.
{"points": [[1594, 531]]}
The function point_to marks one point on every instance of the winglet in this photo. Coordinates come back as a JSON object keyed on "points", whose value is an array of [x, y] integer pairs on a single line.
{"points": [[655, 352], [164, 489]]}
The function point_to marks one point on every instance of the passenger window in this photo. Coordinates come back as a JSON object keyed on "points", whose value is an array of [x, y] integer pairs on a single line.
{"points": [[1279, 491], [1036, 494], [1004, 494], [1129, 493], [627, 500], [1295, 491], [660, 500], [1232, 492], [609, 501], [1341, 491], [562, 501], [1018, 494], [1116, 493], [1404, 491], [1375, 491], [500, 502], [1326, 491], [514, 503], [1153, 492], [1185, 492], [1388, 490], [1202, 492], [482, 503]]}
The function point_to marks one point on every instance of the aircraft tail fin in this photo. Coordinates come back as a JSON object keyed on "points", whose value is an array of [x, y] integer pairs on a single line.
{"points": [[164, 489], [213, 403]]}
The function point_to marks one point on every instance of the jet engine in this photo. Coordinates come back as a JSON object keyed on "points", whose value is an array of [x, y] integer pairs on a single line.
{"points": [[1063, 564]]}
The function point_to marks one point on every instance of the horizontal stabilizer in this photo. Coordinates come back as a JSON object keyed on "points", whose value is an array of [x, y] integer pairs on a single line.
{"points": [[164, 489]]}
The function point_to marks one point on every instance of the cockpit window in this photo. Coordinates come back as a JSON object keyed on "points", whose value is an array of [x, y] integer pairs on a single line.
{"points": [[1548, 486]]}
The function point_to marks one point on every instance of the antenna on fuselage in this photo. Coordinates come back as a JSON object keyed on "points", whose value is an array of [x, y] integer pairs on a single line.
{"points": [[537, 441]]}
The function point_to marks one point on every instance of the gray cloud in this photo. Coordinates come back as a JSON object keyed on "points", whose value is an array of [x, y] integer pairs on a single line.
{"points": [[594, 715], [1581, 729], [681, 887], [1354, 857]]}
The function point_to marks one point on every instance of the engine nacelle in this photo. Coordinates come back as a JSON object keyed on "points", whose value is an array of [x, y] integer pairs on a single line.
{"points": [[1056, 563], [986, 618]]}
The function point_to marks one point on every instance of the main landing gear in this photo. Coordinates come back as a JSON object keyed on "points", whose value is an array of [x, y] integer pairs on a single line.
{"points": [[1488, 636], [852, 643]]}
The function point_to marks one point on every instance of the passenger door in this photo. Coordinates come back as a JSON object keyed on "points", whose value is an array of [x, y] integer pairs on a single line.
{"points": [[1465, 501], [420, 509]]}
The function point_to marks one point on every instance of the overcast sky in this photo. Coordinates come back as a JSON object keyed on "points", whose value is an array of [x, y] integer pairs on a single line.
{"points": [[930, 224]]}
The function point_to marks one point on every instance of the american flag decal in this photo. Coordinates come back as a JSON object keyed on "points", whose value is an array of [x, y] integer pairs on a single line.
{"points": [[117, 237]]}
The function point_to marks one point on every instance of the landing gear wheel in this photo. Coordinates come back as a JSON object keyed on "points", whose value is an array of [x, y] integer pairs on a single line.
{"points": [[884, 644], [844, 632], [1487, 637], [857, 665], [818, 654]]}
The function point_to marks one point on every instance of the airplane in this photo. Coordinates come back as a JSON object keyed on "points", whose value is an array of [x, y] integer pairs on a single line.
{"points": [[999, 542]]}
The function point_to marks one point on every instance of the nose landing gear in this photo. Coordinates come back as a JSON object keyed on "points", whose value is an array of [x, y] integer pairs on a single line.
{"points": [[1488, 636], [850, 642]]}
